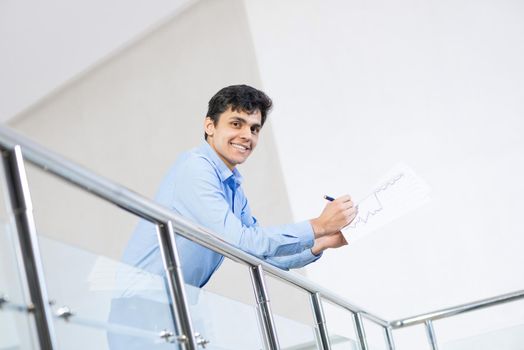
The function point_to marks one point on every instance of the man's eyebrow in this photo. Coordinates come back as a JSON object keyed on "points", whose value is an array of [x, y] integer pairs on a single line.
{"points": [[238, 119]]}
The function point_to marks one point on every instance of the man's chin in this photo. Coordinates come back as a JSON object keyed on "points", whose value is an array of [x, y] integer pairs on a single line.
{"points": [[240, 160]]}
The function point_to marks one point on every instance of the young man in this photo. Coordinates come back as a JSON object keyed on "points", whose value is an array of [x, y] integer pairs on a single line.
{"points": [[204, 186]]}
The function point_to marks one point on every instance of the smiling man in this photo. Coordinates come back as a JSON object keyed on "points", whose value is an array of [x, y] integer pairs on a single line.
{"points": [[204, 186]]}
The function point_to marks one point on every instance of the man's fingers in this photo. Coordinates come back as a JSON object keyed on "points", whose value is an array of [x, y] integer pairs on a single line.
{"points": [[344, 198], [351, 212], [348, 204], [352, 217], [343, 204]]}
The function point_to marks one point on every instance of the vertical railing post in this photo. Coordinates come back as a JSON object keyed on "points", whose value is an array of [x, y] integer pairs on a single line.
{"points": [[265, 315], [430, 331], [321, 330], [28, 253], [359, 328], [175, 280], [388, 334]]}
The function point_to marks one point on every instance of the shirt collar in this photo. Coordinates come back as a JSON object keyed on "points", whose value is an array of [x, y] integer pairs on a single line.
{"points": [[226, 175]]}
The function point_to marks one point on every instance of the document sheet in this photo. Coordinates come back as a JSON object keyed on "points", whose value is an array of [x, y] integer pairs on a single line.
{"points": [[399, 192]]}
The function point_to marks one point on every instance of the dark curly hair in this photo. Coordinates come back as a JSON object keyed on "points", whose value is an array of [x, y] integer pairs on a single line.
{"points": [[242, 98]]}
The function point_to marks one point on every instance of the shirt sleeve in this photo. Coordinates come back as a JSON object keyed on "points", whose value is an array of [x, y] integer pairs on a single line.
{"points": [[199, 196], [294, 261]]}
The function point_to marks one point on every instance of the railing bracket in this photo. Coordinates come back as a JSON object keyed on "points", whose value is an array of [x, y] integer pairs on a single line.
{"points": [[169, 336], [65, 313], [201, 341]]}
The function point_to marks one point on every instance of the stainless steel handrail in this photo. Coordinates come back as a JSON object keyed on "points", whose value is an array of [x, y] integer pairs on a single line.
{"points": [[458, 309], [149, 210]]}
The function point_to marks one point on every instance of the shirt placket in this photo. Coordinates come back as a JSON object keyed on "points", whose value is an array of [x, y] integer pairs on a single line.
{"points": [[231, 183]]}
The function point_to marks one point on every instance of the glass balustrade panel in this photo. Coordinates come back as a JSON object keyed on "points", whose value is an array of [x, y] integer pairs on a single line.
{"points": [[16, 328], [511, 338], [292, 315], [497, 327], [11, 280], [294, 319], [88, 284], [16, 323], [340, 327], [111, 305], [102, 303]]}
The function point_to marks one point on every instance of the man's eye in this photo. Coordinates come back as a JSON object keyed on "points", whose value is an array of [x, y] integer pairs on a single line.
{"points": [[255, 131], [235, 124]]}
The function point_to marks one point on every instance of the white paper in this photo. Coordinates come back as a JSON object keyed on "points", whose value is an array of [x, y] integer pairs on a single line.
{"points": [[399, 192]]}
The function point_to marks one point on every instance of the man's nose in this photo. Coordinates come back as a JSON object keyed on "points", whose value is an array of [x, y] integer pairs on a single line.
{"points": [[246, 133]]}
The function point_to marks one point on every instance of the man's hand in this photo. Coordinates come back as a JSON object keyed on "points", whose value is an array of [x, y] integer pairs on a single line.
{"points": [[335, 216], [335, 240]]}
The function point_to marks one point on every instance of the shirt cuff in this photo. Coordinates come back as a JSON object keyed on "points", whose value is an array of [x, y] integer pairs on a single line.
{"points": [[309, 257], [305, 233]]}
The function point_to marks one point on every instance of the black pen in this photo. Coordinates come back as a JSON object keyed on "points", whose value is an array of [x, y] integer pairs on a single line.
{"points": [[331, 199]]}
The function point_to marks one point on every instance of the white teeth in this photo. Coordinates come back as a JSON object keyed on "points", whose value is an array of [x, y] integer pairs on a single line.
{"points": [[239, 147]]}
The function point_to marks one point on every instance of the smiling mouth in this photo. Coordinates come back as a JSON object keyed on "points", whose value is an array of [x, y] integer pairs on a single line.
{"points": [[240, 147]]}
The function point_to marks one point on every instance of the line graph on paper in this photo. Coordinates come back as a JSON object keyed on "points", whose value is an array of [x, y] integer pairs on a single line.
{"points": [[399, 192]]}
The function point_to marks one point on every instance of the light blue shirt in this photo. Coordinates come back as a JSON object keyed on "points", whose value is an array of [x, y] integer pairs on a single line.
{"points": [[201, 188]]}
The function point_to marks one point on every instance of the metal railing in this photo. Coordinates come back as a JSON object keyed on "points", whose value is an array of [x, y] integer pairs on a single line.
{"points": [[16, 149], [428, 318]]}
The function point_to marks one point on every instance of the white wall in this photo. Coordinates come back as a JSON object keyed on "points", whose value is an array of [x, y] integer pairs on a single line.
{"points": [[361, 85], [44, 44]]}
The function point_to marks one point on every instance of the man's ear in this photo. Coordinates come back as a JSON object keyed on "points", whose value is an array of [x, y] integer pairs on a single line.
{"points": [[209, 126]]}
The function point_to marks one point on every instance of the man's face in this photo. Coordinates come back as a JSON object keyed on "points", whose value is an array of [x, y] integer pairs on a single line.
{"points": [[234, 136]]}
